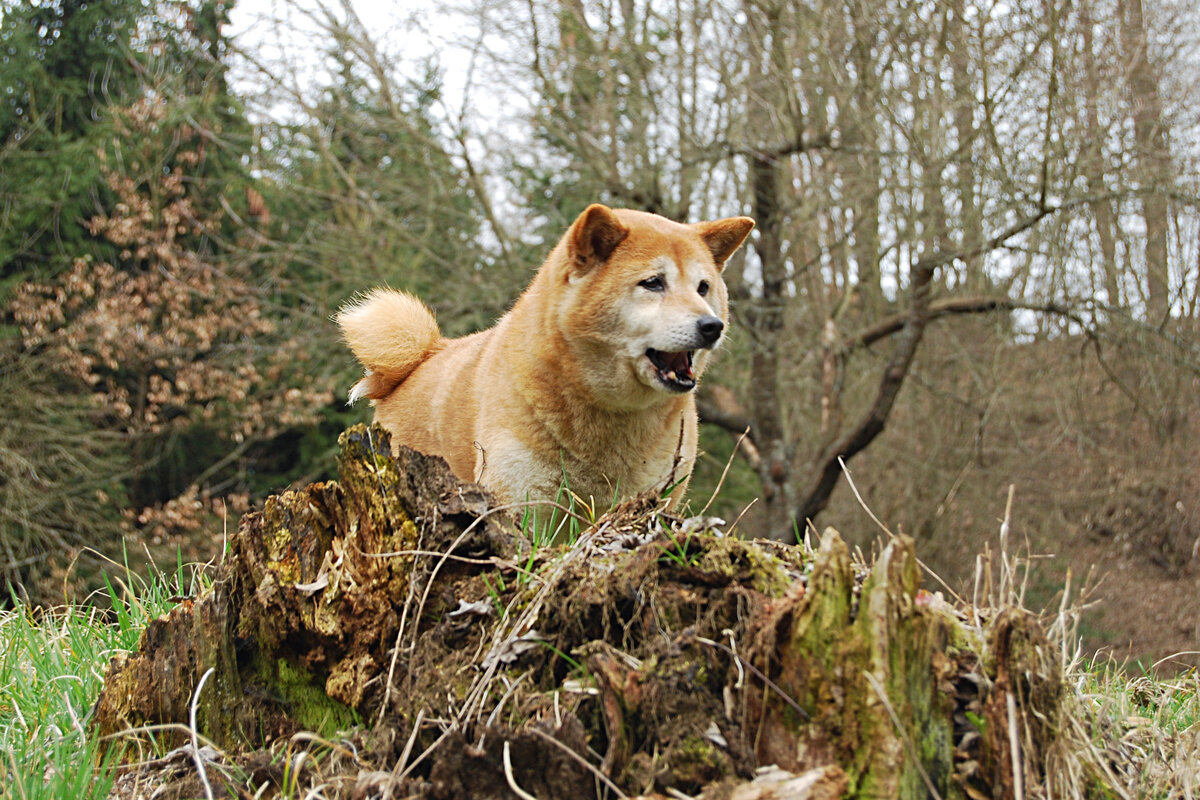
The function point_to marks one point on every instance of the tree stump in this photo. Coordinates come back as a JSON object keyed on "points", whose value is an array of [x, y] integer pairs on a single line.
{"points": [[396, 607], [305, 606]]}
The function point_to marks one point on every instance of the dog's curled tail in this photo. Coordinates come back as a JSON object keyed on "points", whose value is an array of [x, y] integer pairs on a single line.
{"points": [[391, 333]]}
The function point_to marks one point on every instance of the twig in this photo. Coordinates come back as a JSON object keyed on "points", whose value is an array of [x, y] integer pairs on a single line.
{"points": [[308, 737], [200, 768], [884, 528], [738, 661], [500, 706], [408, 597], [739, 516], [161, 727], [1014, 749], [592, 767], [483, 562], [725, 472], [74, 717], [448, 554], [402, 762], [508, 774], [426, 752], [387, 689], [770, 684], [950, 307], [676, 460], [1165, 659], [863, 503], [508, 625], [1005, 527], [1061, 621]]}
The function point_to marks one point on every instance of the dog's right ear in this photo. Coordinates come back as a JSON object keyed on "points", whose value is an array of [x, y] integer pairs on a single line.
{"points": [[593, 238], [724, 236]]}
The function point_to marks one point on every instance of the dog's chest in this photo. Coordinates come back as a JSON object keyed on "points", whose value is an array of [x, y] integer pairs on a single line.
{"points": [[605, 475], [617, 466]]}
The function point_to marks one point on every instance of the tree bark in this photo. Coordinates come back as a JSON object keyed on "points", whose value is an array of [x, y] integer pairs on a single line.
{"points": [[871, 424], [765, 313], [1152, 156], [829, 465], [975, 279], [865, 178], [1102, 210], [298, 624]]}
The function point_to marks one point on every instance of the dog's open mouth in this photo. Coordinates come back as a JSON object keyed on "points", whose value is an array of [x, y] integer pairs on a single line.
{"points": [[674, 369]]}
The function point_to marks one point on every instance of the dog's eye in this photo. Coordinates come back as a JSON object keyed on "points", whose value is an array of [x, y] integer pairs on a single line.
{"points": [[655, 284], [703, 288]]}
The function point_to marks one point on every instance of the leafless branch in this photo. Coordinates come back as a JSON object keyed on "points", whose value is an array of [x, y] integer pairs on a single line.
{"points": [[911, 331], [952, 306]]}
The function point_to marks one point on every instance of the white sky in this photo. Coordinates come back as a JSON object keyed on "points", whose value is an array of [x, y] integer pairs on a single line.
{"points": [[406, 34], [285, 37]]}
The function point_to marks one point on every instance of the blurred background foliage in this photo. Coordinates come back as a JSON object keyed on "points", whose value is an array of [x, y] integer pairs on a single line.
{"points": [[977, 262]]}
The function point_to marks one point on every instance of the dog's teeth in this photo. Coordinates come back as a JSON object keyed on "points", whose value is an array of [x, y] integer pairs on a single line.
{"points": [[669, 375]]}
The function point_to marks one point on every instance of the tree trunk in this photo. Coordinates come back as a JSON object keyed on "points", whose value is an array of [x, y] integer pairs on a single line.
{"points": [[765, 313], [297, 626], [829, 465], [971, 218], [1152, 157], [1102, 210], [866, 175]]}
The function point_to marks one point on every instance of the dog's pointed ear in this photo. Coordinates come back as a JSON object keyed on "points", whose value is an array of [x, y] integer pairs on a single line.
{"points": [[594, 237], [724, 236]]}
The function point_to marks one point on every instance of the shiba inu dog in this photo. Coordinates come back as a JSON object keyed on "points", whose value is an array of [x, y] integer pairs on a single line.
{"points": [[588, 376]]}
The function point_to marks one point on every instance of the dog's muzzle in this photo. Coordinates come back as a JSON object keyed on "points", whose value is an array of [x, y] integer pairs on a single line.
{"points": [[674, 369]]}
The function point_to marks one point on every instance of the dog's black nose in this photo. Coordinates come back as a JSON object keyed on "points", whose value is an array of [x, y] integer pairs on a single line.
{"points": [[710, 328]]}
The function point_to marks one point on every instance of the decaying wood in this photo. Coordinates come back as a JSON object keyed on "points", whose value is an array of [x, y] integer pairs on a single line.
{"points": [[302, 613], [658, 653]]}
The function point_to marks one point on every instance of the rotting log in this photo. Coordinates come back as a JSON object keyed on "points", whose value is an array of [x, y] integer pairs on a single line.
{"points": [[304, 607], [863, 660], [657, 651]]}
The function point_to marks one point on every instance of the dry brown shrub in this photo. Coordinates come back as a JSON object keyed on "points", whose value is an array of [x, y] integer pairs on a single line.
{"points": [[172, 339]]}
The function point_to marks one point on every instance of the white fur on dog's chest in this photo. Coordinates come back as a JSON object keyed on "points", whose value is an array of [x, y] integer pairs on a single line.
{"points": [[508, 464]]}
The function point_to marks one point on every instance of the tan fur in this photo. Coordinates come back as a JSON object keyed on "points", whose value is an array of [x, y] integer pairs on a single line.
{"points": [[562, 382], [391, 333]]}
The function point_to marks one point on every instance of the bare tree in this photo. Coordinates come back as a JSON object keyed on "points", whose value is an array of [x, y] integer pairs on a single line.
{"points": [[1151, 154], [907, 163]]}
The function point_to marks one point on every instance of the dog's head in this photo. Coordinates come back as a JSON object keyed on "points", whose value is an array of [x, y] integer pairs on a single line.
{"points": [[645, 300]]}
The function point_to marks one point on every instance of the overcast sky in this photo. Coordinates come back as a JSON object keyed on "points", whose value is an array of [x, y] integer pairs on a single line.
{"points": [[407, 33]]}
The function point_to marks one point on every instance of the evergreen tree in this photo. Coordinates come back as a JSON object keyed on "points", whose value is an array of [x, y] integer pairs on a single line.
{"points": [[61, 63], [131, 290]]}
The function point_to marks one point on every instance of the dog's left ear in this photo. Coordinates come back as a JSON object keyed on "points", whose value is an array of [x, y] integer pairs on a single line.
{"points": [[593, 237], [724, 236]]}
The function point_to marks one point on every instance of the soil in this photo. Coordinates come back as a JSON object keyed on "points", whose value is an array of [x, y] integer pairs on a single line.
{"points": [[1146, 617]]}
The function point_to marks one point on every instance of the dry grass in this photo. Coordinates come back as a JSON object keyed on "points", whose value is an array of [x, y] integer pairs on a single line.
{"points": [[1120, 735]]}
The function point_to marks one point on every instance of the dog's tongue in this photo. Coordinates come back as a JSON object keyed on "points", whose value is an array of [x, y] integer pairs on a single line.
{"points": [[677, 363]]}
